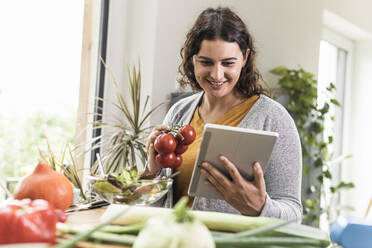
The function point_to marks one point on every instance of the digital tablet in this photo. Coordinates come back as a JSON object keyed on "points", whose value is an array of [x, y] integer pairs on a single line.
{"points": [[242, 146]]}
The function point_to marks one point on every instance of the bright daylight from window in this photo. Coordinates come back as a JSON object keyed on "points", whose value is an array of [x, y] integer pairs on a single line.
{"points": [[327, 74], [40, 73]]}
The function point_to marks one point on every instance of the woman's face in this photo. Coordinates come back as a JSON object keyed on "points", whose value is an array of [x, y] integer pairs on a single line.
{"points": [[217, 67]]}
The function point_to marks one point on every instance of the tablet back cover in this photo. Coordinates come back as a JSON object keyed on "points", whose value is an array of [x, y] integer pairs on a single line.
{"points": [[240, 145]]}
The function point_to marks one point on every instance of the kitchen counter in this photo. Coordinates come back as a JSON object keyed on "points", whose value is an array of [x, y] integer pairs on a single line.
{"points": [[88, 218]]}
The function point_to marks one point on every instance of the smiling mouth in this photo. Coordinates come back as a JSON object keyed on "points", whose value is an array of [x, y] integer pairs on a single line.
{"points": [[214, 83]]}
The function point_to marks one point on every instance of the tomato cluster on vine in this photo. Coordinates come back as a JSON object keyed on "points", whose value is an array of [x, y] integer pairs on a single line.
{"points": [[171, 144]]}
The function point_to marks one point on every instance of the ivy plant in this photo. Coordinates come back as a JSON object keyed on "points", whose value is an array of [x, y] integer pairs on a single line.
{"points": [[301, 88]]}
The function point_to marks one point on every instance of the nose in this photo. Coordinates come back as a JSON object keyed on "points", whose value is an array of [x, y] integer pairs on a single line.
{"points": [[217, 72]]}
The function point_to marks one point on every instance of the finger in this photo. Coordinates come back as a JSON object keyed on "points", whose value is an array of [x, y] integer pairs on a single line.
{"points": [[231, 168], [213, 181], [161, 127], [215, 188], [148, 142], [151, 139], [158, 128], [153, 166], [217, 175], [150, 153], [258, 179]]}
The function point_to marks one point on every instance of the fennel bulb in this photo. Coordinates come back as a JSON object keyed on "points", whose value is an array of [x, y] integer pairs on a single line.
{"points": [[174, 230]]}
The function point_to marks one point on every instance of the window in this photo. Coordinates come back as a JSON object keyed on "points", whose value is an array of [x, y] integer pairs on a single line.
{"points": [[40, 79], [334, 67]]}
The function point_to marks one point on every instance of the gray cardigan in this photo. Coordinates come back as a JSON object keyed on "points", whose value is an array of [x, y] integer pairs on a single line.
{"points": [[284, 170]]}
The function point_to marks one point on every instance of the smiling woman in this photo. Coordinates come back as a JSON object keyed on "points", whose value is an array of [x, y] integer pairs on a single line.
{"points": [[217, 68], [40, 77], [218, 61], [218, 65]]}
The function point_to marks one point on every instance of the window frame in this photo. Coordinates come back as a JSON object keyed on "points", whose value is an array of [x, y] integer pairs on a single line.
{"points": [[342, 42], [101, 73], [92, 74]]}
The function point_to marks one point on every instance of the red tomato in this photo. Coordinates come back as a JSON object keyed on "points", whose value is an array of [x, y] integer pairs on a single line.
{"points": [[165, 143], [188, 133], [166, 160], [181, 148], [178, 161]]}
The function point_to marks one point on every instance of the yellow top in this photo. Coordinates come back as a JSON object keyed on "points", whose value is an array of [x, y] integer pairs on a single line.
{"points": [[232, 118]]}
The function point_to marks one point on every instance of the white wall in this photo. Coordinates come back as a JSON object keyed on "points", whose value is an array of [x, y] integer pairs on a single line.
{"points": [[357, 12], [131, 36]]}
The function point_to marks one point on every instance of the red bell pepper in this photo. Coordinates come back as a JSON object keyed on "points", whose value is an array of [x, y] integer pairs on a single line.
{"points": [[28, 221]]}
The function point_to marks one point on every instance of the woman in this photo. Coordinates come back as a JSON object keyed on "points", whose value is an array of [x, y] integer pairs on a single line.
{"points": [[218, 61]]}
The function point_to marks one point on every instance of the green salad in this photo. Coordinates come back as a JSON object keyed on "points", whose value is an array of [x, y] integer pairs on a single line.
{"points": [[128, 185]]}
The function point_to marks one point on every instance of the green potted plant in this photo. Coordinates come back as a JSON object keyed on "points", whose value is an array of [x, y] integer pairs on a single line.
{"points": [[65, 163], [125, 148], [300, 87], [123, 154]]}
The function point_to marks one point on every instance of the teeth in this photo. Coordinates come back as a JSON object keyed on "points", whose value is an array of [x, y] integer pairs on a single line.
{"points": [[216, 84]]}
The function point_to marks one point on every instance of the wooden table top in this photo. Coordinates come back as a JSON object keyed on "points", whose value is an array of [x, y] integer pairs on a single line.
{"points": [[88, 217]]}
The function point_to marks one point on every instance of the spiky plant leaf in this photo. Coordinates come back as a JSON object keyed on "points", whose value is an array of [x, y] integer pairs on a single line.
{"points": [[125, 147]]}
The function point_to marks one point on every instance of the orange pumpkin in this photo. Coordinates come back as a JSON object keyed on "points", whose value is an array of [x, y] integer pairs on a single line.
{"points": [[45, 183]]}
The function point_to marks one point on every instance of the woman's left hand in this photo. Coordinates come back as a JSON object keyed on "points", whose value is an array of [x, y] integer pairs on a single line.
{"points": [[245, 196]]}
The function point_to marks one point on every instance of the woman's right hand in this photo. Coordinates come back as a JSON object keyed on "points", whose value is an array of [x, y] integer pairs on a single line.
{"points": [[153, 167]]}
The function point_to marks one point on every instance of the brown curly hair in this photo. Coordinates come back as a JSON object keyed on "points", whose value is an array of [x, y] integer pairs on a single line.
{"points": [[220, 23]]}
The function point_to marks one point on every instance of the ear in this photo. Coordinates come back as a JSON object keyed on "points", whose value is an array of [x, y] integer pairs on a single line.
{"points": [[246, 55]]}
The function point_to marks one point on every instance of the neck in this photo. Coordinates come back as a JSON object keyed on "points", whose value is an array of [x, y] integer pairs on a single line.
{"points": [[210, 103]]}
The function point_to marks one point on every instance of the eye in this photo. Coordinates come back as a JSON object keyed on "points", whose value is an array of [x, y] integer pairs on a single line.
{"points": [[227, 63], [205, 62]]}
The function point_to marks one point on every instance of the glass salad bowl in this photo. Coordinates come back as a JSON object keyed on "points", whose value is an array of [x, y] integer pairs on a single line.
{"points": [[130, 192]]}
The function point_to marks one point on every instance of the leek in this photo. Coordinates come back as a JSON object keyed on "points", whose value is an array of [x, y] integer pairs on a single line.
{"points": [[260, 237], [87, 233], [116, 229], [216, 221], [265, 241], [228, 230]]}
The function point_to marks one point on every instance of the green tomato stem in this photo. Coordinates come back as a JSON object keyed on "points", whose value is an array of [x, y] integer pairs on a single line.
{"points": [[176, 132]]}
